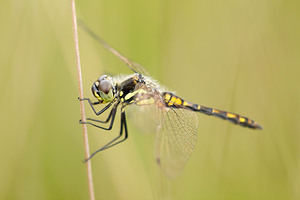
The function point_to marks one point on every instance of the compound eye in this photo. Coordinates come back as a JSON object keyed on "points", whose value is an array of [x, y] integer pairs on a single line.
{"points": [[105, 86], [102, 78]]}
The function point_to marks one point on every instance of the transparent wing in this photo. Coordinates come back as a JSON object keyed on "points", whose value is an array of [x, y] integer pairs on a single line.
{"points": [[135, 67], [143, 117], [176, 139]]}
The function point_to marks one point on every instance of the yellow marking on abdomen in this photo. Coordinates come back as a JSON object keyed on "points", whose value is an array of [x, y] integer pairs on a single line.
{"points": [[230, 115], [167, 96], [242, 119], [173, 99], [215, 111], [178, 101]]}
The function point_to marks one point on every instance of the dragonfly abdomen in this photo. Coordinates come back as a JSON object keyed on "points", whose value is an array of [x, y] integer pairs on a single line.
{"points": [[232, 117], [177, 102]]}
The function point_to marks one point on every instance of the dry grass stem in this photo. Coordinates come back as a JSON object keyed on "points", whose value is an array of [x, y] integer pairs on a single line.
{"points": [[84, 128]]}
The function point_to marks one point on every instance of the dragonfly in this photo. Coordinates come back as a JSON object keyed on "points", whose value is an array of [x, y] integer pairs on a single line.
{"points": [[177, 121]]}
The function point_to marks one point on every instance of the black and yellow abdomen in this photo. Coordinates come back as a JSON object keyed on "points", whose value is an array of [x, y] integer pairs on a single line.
{"points": [[174, 101]]}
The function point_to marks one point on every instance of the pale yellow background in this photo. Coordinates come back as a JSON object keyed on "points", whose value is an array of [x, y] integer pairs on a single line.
{"points": [[241, 56]]}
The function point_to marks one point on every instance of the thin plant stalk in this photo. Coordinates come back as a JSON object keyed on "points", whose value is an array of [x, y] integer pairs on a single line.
{"points": [[84, 128]]}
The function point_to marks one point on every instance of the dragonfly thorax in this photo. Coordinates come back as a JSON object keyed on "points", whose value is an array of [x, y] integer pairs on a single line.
{"points": [[103, 89]]}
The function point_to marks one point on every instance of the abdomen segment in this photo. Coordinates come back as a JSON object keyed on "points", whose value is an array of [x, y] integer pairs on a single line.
{"points": [[174, 101]]}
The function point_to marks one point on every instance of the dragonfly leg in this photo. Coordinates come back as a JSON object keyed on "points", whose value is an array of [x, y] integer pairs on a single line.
{"points": [[111, 116], [113, 142], [112, 113], [95, 103]]}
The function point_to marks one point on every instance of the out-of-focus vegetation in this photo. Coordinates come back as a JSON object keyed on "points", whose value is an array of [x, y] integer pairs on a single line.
{"points": [[241, 56]]}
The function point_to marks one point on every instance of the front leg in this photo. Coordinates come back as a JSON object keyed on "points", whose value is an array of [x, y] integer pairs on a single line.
{"points": [[110, 116], [95, 103]]}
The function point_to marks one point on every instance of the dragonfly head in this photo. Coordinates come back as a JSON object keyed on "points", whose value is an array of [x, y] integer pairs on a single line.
{"points": [[103, 89]]}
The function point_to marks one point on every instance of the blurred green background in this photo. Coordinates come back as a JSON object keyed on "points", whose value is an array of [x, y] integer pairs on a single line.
{"points": [[241, 56]]}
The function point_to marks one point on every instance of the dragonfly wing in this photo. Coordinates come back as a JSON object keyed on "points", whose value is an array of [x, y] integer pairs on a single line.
{"points": [[176, 139], [135, 67]]}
